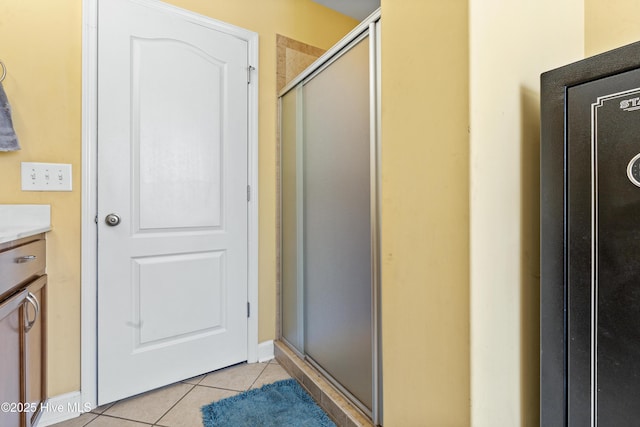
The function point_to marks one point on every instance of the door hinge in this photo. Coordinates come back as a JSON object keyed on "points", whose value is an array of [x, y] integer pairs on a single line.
{"points": [[95, 219], [248, 309], [250, 68], [248, 193]]}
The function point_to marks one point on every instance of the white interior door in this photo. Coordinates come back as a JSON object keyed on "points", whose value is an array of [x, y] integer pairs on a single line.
{"points": [[172, 166]]}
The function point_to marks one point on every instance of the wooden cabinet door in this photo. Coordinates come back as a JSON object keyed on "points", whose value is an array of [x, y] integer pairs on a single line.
{"points": [[34, 349], [10, 337]]}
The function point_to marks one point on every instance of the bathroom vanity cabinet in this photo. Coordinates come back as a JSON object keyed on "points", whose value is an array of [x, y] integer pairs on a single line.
{"points": [[22, 325]]}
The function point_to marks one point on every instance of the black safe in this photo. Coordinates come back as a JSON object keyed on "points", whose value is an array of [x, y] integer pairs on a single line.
{"points": [[590, 242]]}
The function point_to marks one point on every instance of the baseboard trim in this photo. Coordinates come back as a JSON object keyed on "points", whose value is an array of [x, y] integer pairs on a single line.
{"points": [[265, 351], [62, 408]]}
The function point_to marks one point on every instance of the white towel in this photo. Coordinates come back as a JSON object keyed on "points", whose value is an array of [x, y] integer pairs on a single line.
{"points": [[8, 137]]}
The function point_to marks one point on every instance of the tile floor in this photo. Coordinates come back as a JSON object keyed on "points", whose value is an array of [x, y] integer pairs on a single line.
{"points": [[179, 404]]}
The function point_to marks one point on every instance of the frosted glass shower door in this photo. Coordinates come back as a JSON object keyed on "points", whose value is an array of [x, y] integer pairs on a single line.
{"points": [[291, 220], [337, 221]]}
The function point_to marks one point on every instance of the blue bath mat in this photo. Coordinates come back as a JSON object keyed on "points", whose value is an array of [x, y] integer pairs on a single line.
{"points": [[281, 404]]}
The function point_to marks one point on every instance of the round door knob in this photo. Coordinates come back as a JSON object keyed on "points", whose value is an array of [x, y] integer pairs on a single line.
{"points": [[112, 220]]}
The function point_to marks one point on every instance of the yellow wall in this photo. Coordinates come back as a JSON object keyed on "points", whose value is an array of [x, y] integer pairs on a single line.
{"points": [[610, 24], [425, 213], [460, 205], [40, 45], [40, 42], [511, 44]]}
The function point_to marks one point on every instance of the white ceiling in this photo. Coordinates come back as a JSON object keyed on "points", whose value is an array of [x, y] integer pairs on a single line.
{"points": [[357, 9]]}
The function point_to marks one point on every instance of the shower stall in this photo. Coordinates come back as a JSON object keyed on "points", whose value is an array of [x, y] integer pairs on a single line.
{"points": [[329, 175]]}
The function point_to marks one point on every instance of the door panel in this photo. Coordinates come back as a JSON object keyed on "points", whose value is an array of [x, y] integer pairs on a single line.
{"points": [[337, 222], [172, 164], [204, 315], [35, 348], [10, 354], [604, 297], [292, 266], [179, 184], [617, 316]]}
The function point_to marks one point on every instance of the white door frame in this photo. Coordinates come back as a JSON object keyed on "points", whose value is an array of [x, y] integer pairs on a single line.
{"points": [[89, 277]]}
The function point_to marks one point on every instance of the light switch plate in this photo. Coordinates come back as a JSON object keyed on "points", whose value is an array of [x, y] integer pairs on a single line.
{"points": [[46, 176]]}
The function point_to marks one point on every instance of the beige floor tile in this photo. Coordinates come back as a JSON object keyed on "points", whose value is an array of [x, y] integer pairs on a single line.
{"points": [[179, 405], [187, 412], [194, 380], [105, 421], [80, 421], [101, 409], [271, 374], [239, 377], [149, 407]]}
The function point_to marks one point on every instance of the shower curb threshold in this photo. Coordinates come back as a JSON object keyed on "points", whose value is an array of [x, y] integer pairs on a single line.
{"points": [[339, 408]]}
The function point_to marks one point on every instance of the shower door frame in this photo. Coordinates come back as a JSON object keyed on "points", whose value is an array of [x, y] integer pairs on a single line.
{"points": [[370, 28]]}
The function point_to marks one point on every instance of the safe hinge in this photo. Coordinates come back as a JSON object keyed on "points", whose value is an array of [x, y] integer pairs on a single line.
{"points": [[248, 193], [250, 68], [248, 309]]}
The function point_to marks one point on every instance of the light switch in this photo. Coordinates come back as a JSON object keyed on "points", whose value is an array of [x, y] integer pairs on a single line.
{"points": [[46, 176]]}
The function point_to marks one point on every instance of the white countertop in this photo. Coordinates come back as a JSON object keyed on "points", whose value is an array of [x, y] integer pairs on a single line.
{"points": [[18, 221]]}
